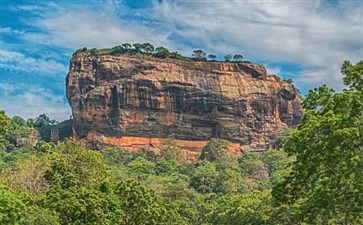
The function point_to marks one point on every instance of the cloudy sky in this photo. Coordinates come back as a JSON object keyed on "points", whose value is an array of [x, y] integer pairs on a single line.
{"points": [[303, 40]]}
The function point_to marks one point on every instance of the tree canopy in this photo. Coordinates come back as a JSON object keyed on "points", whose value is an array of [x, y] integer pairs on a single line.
{"points": [[326, 185], [227, 58], [198, 54]]}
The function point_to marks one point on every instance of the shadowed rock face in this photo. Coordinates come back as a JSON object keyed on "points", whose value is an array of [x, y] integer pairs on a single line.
{"points": [[142, 96]]}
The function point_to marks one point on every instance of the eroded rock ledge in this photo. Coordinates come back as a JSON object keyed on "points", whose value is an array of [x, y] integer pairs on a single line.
{"points": [[140, 96]]}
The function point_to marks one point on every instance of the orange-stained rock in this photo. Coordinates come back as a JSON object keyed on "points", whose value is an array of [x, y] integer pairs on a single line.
{"points": [[139, 100], [192, 149]]}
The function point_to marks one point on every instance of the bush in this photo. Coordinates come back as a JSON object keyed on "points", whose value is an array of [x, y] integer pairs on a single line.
{"points": [[215, 150], [11, 207]]}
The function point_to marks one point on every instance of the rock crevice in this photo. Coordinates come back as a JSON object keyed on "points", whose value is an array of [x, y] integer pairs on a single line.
{"points": [[141, 96]]}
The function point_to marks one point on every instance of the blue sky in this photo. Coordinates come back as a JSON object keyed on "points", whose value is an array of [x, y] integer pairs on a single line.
{"points": [[303, 40]]}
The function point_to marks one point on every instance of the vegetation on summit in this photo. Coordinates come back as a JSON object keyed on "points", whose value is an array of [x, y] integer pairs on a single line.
{"points": [[158, 52]]}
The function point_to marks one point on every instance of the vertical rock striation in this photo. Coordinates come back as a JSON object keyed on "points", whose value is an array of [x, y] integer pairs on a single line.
{"points": [[125, 96]]}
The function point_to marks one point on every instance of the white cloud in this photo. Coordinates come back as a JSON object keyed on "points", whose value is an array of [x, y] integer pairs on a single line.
{"points": [[32, 102], [9, 30], [28, 7], [314, 35], [17, 61], [74, 26]]}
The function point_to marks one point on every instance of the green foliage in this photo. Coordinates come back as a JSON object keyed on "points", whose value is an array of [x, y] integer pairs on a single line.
{"points": [[325, 185], [17, 143], [140, 204], [113, 156], [289, 80], [18, 133], [167, 167], [171, 152], [65, 129], [147, 49], [227, 58], [161, 52], [4, 122], [318, 97], [237, 57], [79, 188], [172, 186], [27, 175], [118, 50], [198, 54], [212, 57], [44, 125], [353, 75], [126, 46], [142, 167], [176, 55], [68, 183], [266, 169], [205, 178], [136, 49], [80, 205], [35, 215], [215, 150], [11, 207], [74, 165], [316, 180], [45, 147], [252, 208]]}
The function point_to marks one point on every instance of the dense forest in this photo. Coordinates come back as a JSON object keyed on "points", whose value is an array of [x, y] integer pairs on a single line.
{"points": [[316, 179]]}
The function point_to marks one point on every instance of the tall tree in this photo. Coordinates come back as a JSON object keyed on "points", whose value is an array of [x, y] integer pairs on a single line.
{"points": [[147, 48], [326, 185], [126, 46], [138, 48], [198, 54], [44, 125], [161, 52], [353, 75], [212, 57], [4, 122], [227, 58], [237, 57]]}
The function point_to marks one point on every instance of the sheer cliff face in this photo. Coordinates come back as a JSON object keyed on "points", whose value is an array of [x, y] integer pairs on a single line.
{"points": [[140, 96]]}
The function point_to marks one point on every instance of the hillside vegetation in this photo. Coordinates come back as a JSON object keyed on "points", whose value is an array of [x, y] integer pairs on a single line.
{"points": [[316, 179]]}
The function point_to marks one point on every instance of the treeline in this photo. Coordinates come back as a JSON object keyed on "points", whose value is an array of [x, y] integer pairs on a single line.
{"points": [[159, 52], [201, 55], [134, 49], [317, 179], [69, 183]]}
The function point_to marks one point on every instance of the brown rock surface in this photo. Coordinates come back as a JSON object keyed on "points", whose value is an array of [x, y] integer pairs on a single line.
{"points": [[120, 97]]}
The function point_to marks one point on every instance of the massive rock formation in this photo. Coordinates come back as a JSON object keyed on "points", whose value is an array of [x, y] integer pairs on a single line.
{"points": [[117, 99]]}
